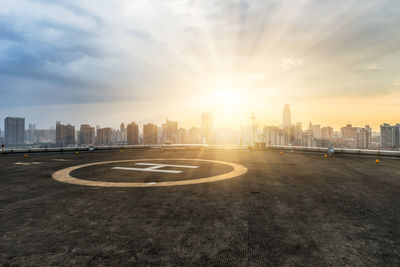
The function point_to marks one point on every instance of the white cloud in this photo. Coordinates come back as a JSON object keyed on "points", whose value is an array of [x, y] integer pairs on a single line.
{"points": [[373, 67], [291, 64]]}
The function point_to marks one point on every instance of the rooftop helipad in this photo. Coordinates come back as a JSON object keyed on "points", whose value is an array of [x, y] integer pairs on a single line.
{"points": [[238, 208]]}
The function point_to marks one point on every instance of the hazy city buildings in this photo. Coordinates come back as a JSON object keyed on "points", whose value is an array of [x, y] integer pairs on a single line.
{"points": [[150, 134], [390, 136], [30, 134], [317, 131], [206, 128], [14, 131], [286, 117], [326, 132], [104, 136], [86, 135], [65, 134], [363, 137], [182, 136], [39, 136], [195, 135], [132, 130], [170, 131], [123, 133], [348, 132]]}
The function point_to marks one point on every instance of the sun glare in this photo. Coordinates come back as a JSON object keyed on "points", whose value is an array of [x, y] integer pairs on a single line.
{"points": [[226, 98]]}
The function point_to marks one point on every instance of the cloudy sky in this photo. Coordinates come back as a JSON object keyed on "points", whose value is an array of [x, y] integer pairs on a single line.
{"points": [[106, 62]]}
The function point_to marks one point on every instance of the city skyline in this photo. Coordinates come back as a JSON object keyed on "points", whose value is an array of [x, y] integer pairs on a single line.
{"points": [[77, 62], [292, 133], [141, 122]]}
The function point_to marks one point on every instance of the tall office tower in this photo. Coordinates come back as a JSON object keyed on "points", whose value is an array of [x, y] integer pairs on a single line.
{"points": [[364, 137], [291, 135], [170, 131], [206, 128], [326, 132], [123, 132], [160, 136], [271, 135], [70, 134], [30, 133], [86, 135], [50, 135], [150, 134], [317, 131], [195, 135], [132, 131], [390, 136], [104, 136], [14, 131], [298, 134], [286, 118], [182, 136], [65, 134]]}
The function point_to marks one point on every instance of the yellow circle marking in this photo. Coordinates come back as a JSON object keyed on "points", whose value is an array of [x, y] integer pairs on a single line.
{"points": [[64, 176]]}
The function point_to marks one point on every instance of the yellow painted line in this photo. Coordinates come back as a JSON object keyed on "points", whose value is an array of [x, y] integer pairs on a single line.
{"points": [[28, 163], [64, 175]]}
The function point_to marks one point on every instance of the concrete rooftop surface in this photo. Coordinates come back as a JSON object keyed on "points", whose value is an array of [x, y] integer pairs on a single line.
{"points": [[181, 207]]}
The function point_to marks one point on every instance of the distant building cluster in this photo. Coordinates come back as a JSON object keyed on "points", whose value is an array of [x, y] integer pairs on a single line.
{"points": [[288, 133], [315, 135]]}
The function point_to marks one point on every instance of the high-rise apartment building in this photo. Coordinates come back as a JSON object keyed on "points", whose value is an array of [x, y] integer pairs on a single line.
{"points": [[390, 136], [14, 131], [150, 134], [326, 132], [65, 134], [317, 131], [182, 136], [364, 138], [123, 133], [286, 117], [275, 136], [349, 132], [170, 131], [86, 135], [104, 136], [30, 133], [206, 128], [132, 131]]}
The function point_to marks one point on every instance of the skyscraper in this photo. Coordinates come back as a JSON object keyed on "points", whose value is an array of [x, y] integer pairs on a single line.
{"points": [[150, 134], [326, 132], [30, 133], [286, 117], [364, 137], [349, 131], [206, 128], [86, 135], [123, 133], [170, 131], [14, 131], [317, 131], [390, 136], [65, 134], [132, 130], [104, 136]]}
